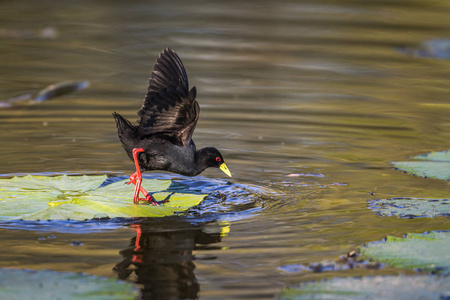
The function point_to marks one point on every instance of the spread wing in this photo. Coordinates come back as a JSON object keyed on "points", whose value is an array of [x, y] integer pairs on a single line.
{"points": [[170, 109]]}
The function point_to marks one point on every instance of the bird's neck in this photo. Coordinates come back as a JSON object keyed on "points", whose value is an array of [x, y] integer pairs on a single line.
{"points": [[201, 163]]}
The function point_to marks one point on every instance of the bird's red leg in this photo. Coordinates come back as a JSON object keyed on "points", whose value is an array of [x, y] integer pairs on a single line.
{"points": [[136, 179]]}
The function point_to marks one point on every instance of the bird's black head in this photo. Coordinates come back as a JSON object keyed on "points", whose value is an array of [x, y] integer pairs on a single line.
{"points": [[211, 157]]}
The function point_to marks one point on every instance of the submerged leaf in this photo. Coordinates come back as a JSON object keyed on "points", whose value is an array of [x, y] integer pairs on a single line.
{"points": [[30, 284], [81, 197], [371, 287], [433, 165], [433, 48], [425, 252], [329, 266], [411, 207]]}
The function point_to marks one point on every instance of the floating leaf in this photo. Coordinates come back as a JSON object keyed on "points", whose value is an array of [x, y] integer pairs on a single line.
{"points": [[435, 156], [411, 207], [30, 284], [371, 287], [81, 197], [434, 165], [432, 169], [425, 252]]}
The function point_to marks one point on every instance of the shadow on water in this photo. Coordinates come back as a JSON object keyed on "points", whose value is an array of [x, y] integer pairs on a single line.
{"points": [[160, 257]]}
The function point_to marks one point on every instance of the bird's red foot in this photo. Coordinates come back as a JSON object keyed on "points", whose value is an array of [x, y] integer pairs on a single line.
{"points": [[136, 181]]}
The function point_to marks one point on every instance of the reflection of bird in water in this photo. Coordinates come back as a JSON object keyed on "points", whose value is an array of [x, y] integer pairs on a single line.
{"points": [[163, 138], [161, 258]]}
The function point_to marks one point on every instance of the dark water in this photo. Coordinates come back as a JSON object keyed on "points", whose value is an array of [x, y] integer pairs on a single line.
{"points": [[313, 88]]}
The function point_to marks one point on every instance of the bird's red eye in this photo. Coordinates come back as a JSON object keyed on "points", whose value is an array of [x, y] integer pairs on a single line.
{"points": [[218, 158]]}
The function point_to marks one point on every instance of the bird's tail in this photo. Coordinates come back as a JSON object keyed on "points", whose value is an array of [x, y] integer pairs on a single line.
{"points": [[124, 127]]}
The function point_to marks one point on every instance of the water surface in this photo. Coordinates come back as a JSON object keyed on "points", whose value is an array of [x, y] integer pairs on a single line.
{"points": [[287, 87]]}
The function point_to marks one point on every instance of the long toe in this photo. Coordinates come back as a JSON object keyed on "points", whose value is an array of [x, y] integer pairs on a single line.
{"points": [[154, 202]]}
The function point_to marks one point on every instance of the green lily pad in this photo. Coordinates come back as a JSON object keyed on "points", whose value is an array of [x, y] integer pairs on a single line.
{"points": [[371, 287], [425, 252], [411, 207], [433, 165], [30, 284], [84, 197], [435, 156]]}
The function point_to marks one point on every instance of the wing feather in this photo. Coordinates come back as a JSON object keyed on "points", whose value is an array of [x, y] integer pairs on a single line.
{"points": [[169, 109]]}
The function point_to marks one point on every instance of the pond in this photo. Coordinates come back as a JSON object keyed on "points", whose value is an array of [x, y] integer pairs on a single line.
{"points": [[308, 101]]}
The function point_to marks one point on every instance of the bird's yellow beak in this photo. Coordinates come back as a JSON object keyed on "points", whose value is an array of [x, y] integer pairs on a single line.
{"points": [[224, 168]]}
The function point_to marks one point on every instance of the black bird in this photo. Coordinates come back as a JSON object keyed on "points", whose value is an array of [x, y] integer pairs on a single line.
{"points": [[163, 138]]}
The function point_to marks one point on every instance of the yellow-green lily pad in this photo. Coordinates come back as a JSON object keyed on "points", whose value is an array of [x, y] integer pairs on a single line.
{"points": [[45, 284], [85, 197], [425, 252], [433, 165]]}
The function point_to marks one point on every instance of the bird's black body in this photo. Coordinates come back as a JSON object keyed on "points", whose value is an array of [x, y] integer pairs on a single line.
{"points": [[168, 118]]}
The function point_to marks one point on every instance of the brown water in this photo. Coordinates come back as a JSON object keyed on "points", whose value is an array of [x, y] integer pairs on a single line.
{"points": [[309, 87]]}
